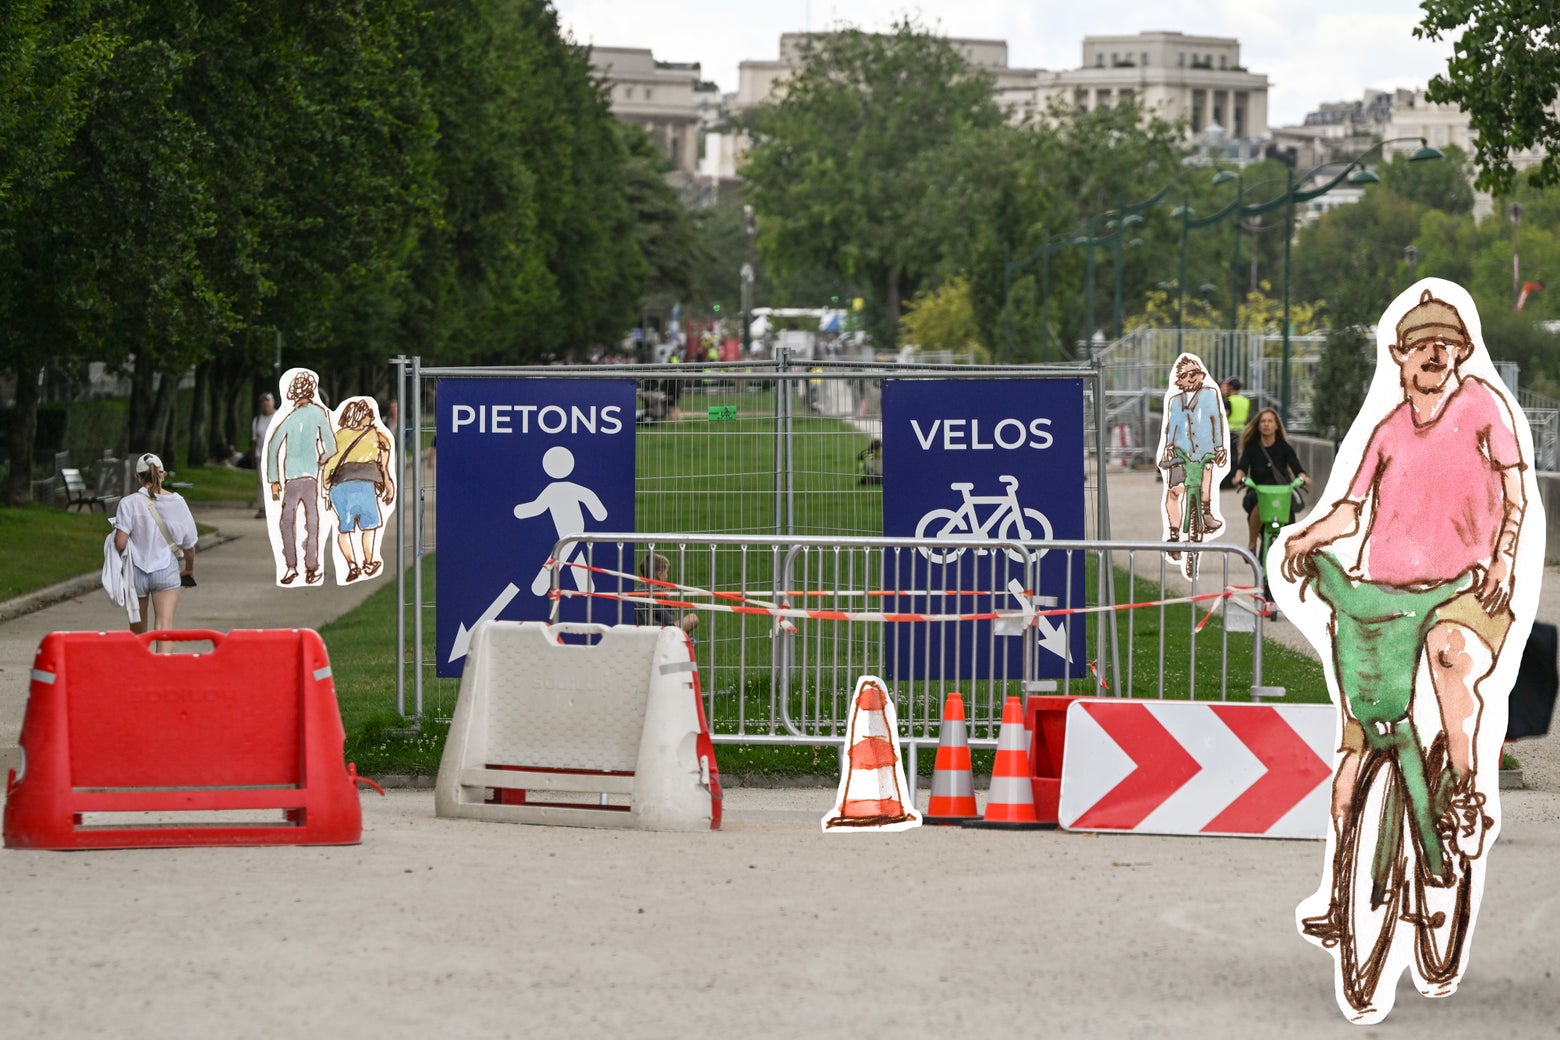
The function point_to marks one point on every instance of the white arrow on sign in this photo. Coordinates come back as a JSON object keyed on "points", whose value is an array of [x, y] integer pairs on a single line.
{"points": [[1053, 635], [463, 634]]}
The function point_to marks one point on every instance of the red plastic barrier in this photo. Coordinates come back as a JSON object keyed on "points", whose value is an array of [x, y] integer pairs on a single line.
{"points": [[113, 728], [1046, 719]]}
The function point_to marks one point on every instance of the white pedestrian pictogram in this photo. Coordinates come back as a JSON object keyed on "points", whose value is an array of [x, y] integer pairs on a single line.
{"points": [[563, 499]]}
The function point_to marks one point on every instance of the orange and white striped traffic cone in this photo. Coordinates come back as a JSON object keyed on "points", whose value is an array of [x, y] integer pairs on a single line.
{"points": [[953, 780], [1010, 803], [872, 786]]}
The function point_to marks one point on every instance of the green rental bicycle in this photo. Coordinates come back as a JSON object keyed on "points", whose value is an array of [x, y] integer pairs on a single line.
{"points": [[1274, 503], [1414, 872]]}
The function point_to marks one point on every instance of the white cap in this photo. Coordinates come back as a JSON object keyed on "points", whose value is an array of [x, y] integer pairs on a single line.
{"points": [[146, 462]]}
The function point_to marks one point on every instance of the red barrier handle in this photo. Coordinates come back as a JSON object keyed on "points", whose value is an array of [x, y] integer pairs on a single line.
{"points": [[353, 774], [182, 635], [584, 628]]}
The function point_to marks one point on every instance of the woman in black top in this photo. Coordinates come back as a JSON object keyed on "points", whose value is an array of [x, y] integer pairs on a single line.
{"points": [[1267, 458]]}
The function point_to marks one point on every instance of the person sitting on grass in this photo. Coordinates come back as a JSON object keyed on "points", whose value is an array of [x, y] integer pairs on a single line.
{"points": [[657, 568]]}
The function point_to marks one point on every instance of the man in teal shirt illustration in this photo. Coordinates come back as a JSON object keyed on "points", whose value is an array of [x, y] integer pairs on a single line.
{"points": [[294, 474]]}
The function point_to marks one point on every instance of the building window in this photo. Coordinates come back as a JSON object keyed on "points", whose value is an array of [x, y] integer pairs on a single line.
{"points": [[1145, 59], [1241, 101], [1224, 61], [1099, 60], [1114, 57], [647, 93], [1180, 59], [1102, 98], [1125, 93]]}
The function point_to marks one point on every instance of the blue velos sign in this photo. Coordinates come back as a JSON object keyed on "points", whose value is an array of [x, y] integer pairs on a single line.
{"points": [[523, 462], [983, 459]]}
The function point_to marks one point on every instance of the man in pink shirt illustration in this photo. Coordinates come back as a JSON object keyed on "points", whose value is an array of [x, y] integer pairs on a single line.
{"points": [[1440, 490]]}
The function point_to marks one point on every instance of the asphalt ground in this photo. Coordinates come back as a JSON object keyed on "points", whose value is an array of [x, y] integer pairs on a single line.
{"points": [[768, 928]]}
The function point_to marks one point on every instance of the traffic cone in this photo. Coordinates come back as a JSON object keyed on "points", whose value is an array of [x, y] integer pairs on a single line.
{"points": [[872, 786], [953, 781], [1010, 802]]}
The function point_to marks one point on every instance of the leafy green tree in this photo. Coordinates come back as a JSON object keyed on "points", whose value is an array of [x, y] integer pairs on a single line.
{"points": [[1505, 73], [52, 55], [833, 174], [943, 319], [1354, 257], [672, 243], [1441, 184], [1342, 377]]}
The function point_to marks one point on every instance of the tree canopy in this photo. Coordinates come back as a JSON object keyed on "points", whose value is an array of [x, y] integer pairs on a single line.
{"points": [[1505, 74], [835, 166], [189, 185]]}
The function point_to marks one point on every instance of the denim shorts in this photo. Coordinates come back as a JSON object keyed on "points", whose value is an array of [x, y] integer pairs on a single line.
{"points": [[147, 583], [357, 505]]}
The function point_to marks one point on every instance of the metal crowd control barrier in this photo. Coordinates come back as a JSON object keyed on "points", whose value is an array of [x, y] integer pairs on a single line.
{"points": [[804, 417], [787, 625]]}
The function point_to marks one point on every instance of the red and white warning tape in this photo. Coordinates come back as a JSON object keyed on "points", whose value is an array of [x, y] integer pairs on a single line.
{"points": [[737, 603]]}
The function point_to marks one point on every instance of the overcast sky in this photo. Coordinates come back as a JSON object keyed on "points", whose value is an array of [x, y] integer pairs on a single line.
{"points": [[1324, 50]]}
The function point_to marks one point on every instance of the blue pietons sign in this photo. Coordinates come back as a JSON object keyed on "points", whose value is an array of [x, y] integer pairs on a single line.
{"points": [[523, 462], [983, 459]]}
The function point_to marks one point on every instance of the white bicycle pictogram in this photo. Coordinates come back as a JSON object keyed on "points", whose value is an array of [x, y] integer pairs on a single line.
{"points": [[1008, 519]]}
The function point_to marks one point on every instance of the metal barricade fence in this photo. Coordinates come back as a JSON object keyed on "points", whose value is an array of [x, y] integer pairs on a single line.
{"points": [[782, 447], [788, 624]]}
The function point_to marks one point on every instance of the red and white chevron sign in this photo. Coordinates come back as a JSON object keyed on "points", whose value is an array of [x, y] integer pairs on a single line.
{"points": [[1165, 767]]}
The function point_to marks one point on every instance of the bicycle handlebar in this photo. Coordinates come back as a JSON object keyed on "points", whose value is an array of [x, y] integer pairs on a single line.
{"points": [[1253, 485]]}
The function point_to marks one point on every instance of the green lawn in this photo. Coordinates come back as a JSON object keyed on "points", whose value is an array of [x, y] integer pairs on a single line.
{"points": [[40, 547]]}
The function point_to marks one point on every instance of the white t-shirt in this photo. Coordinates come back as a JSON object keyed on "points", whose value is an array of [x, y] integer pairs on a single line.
{"points": [[257, 429], [148, 548]]}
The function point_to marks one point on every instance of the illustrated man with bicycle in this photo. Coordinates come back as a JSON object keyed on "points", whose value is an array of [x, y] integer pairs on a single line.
{"points": [[1413, 567], [1194, 442], [1441, 484]]}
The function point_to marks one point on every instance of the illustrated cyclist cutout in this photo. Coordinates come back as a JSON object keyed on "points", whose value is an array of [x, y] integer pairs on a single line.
{"points": [[1423, 558], [563, 500], [1194, 453]]}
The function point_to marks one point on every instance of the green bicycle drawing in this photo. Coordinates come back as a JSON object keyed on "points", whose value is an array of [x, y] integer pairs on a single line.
{"points": [[1413, 873], [1194, 511]]}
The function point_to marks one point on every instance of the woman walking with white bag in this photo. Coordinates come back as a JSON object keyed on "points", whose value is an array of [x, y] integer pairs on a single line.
{"points": [[156, 525]]}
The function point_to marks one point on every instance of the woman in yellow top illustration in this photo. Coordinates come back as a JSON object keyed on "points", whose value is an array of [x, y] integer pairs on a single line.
{"points": [[359, 477]]}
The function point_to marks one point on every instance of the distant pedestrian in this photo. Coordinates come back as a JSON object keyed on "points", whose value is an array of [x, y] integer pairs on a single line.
{"points": [[156, 526], [1238, 407], [257, 431]]}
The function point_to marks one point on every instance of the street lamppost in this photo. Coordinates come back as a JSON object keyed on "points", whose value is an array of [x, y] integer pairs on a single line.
{"points": [[1295, 191], [750, 228], [1184, 211]]}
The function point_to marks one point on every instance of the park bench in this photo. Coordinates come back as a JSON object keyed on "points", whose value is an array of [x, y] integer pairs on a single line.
{"points": [[76, 494]]}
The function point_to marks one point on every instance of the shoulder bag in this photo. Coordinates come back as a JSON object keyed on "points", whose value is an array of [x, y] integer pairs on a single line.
{"points": [[345, 471]]}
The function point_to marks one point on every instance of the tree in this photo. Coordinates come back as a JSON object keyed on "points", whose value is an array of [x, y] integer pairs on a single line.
{"points": [[1504, 73], [51, 57], [832, 173], [1342, 377], [1441, 185], [942, 319]]}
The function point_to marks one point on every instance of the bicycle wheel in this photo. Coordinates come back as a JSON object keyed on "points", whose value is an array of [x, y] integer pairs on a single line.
{"points": [[1035, 526], [939, 522], [1368, 894], [1192, 523], [1440, 907]]}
